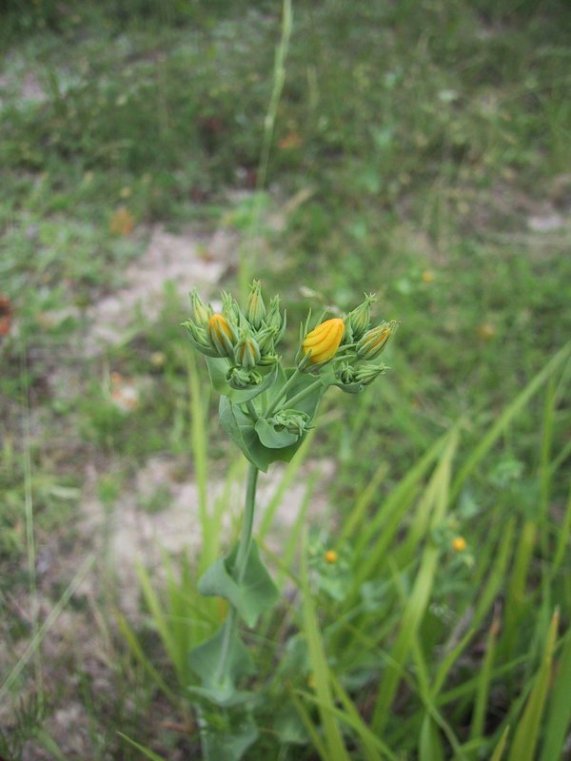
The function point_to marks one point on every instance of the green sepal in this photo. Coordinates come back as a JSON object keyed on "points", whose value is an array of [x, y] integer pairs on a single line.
{"points": [[271, 438], [240, 427], [218, 368], [204, 661], [251, 597]]}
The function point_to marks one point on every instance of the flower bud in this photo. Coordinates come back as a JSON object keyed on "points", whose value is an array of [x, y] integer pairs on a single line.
{"points": [[222, 335], [359, 319], [368, 373], [374, 340], [247, 351], [230, 309], [346, 374], [240, 378], [201, 313], [276, 319], [199, 339], [293, 421], [256, 309], [265, 338], [322, 343]]}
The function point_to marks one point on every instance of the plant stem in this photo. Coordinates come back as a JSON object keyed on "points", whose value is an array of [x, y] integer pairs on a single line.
{"points": [[305, 392], [247, 524], [240, 568], [283, 391]]}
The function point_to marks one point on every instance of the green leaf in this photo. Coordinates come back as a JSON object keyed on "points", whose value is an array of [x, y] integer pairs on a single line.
{"points": [[240, 428], [251, 597], [559, 713], [147, 752], [230, 744], [271, 438], [204, 661], [529, 726], [430, 744]]}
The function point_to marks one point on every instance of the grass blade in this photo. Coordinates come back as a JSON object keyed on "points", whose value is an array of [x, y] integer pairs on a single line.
{"points": [[559, 712], [507, 416], [527, 732], [500, 747], [147, 752], [320, 670], [415, 608]]}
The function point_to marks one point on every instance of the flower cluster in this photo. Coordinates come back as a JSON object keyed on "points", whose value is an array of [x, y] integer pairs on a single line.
{"points": [[247, 339], [351, 343], [268, 408]]}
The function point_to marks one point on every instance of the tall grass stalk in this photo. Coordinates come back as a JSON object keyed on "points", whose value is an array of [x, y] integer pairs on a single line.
{"points": [[279, 75]]}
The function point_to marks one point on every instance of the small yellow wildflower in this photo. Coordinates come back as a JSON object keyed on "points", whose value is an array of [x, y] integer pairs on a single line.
{"points": [[322, 342], [427, 276], [331, 557], [459, 544]]}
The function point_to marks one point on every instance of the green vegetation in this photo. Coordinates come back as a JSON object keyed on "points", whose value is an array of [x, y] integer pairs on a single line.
{"points": [[419, 149]]}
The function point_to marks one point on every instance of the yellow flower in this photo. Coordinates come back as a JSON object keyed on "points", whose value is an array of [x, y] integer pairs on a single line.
{"points": [[459, 544], [322, 342], [221, 334], [331, 557]]}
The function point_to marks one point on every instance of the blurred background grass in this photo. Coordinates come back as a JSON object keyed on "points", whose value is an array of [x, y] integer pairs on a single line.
{"points": [[422, 150]]}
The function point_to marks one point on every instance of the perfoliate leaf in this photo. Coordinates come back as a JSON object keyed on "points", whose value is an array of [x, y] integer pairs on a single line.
{"points": [[230, 744], [252, 596], [241, 429], [273, 439], [205, 659]]}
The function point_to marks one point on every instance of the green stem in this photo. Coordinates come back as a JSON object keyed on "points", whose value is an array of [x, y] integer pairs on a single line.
{"points": [[247, 524], [302, 394], [283, 391], [240, 568]]}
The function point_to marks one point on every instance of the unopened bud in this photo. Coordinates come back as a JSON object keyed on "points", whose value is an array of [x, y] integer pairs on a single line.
{"points": [[346, 374], [322, 343], [199, 339], [222, 335], [240, 378], [375, 340], [276, 319], [200, 311], [256, 308], [367, 373], [230, 308], [247, 351], [359, 319], [292, 421]]}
